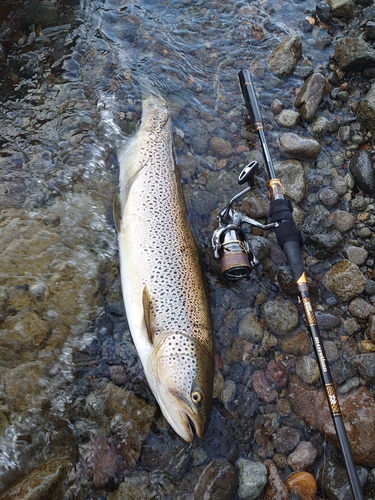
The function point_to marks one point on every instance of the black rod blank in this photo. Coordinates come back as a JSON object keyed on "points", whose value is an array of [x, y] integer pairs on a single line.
{"points": [[287, 237]]}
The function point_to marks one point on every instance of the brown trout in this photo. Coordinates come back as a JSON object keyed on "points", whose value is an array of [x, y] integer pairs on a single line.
{"points": [[161, 278]]}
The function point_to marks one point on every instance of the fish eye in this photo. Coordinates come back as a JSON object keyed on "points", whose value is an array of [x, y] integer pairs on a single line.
{"points": [[196, 396]]}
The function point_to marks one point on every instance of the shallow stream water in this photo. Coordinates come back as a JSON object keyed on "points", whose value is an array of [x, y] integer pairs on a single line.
{"points": [[71, 70]]}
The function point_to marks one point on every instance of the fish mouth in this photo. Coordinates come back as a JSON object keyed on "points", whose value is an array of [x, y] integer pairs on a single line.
{"points": [[189, 418]]}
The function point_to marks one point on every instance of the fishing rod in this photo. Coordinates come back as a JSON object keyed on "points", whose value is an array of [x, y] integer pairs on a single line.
{"points": [[288, 237], [236, 260]]}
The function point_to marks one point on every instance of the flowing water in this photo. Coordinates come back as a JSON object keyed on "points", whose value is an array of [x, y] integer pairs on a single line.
{"points": [[70, 87]]}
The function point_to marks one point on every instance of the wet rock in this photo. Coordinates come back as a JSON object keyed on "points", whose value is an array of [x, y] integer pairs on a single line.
{"points": [[275, 488], [252, 478], [357, 408], [303, 457], [102, 462], [344, 221], [286, 439], [323, 11], [366, 110], [281, 316], [321, 126], [365, 364], [345, 280], [341, 8], [311, 95], [354, 54], [220, 147], [298, 343], [357, 255], [367, 346], [288, 118], [361, 309], [326, 321], [308, 369], [371, 328], [142, 485], [332, 477], [321, 236], [292, 175], [250, 328], [298, 147], [328, 197], [332, 353], [362, 170], [45, 481], [285, 56], [130, 419], [218, 481], [276, 374], [370, 30], [302, 485], [262, 387]]}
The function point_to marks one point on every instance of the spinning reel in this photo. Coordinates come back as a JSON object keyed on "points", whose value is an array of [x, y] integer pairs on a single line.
{"points": [[229, 242]]}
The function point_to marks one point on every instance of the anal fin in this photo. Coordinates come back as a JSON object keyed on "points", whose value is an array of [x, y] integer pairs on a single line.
{"points": [[117, 212]]}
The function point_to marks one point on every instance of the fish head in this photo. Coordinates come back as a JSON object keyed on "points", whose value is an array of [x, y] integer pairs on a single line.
{"points": [[182, 372], [155, 114]]}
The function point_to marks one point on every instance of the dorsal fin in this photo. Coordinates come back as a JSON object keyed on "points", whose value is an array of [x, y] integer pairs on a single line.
{"points": [[117, 212], [146, 300]]}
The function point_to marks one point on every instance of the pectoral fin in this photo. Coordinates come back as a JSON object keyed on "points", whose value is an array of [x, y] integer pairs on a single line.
{"points": [[146, 300], [117, 212]]}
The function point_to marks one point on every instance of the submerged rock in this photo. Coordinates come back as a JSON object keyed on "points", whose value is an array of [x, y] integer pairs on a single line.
{"points": [[332, 477], [281, 316], [311, 95], [45, 481], [218, 481], [366, 110], [252, 478], [296, 146], [285, 56], [275, 487], [362, 169], [357, 408], [302, 484], [354, 54]]}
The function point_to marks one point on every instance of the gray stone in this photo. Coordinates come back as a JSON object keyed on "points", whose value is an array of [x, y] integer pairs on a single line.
{"points": [[321, 126], [303, 457], [360, 308], [311, 95], [308, 369], [250, 328], [357, 255], [288, 118], [344, 221], [285, 56], [298, 147], [328, 197], [292, 175], [331, 350], [341, 8], [252, 479], [281, 316], [321, 236], [354, 54], [345, 280], [363, 172], [365, 364]]}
